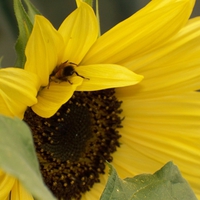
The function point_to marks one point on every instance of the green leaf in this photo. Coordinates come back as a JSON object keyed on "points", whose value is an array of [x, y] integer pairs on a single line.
{"points": [[25, 27], [32, 10], [18, 157], [167, 183]]}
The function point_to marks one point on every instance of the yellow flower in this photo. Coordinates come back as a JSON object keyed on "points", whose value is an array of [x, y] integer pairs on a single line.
{"points": [[11, 188], [162, 115], [48, 48]]}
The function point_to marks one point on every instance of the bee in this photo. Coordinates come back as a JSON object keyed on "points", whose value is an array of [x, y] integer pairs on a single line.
{"points": [[63, 71]]}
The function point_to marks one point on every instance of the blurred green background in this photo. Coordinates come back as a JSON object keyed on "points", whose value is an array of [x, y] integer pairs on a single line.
{"points": [[111, 12]]}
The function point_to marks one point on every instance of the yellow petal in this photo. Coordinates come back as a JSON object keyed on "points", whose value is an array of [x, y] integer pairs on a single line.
{"points": [[6, 184], [18, 89], [51, 99], [144, 31], [78, 2], [172, 68], [79, 30], [160, 130], [4, 109], [44, 49], [19, 84], [103, 76], [167, 80], [163, 3], [181, 48], [10, 107], [19, 193]]}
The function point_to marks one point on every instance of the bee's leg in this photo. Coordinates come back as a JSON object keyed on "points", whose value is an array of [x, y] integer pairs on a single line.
{"points": [[56, 80], [65, 79], [72, 63], [80, 75], [49, 82], [48, 85], [69, 63], [69, 82]]}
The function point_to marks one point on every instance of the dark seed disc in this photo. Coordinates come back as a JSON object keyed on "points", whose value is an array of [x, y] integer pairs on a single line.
{"points": [[73, 145]]}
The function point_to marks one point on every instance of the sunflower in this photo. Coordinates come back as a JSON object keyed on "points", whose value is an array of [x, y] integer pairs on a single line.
{"points": [[160, 116], [55, 56], [161, 112]]}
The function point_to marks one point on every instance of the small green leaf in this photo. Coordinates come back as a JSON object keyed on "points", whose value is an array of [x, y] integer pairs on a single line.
{"points": [[167, 183], [18, 157], [32, 10], [25, 27]]}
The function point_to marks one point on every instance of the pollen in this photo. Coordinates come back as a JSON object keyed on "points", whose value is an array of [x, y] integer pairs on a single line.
{"points": [[74, 144]]}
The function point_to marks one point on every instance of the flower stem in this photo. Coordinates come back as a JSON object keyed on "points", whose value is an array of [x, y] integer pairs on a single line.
{"points": [[98, 17], [90, 2]]}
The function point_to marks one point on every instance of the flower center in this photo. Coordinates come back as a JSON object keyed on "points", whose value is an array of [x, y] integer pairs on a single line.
{"points": [[73, 145]]}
